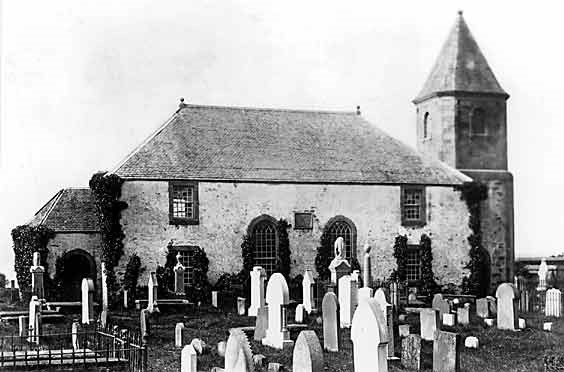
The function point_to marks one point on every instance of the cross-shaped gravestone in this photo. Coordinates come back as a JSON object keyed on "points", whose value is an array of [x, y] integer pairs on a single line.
{"points": [[87, 289], [307, 291], [369, 335], [331, 329], [258, 277], [387, 313], [153, 286], [507, 302], [277, 298], [308, 354]]}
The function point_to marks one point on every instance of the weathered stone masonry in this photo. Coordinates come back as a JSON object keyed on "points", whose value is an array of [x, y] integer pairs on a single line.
{"points": [[227, 208]]}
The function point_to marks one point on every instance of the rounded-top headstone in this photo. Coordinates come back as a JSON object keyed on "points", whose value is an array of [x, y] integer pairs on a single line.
{"points": [[308, 354], [277, 289]]}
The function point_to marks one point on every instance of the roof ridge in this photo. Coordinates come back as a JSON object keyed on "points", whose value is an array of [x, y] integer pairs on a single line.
{"points": [[57, 198], [190, 105]]}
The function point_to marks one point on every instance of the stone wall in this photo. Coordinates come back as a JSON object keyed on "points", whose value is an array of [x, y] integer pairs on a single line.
{"points": [[440, 142], [226, 209], [66, 242]]}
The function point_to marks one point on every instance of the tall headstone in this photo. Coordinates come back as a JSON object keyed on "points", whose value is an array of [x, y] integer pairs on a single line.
{"points": [[179, 276], [331, 329], [446, 352], [34, 325], [346, 305], [411, 353], [507, 302], [145, 327], [241, 305], [430, 322], [74, 337], [179, 335], [339, 266], [463, 314], [307, 291], [238, 354], [188, 359], [387, 313], [299, 318], [542, 274], [261, 324], [367, 267], [258, 278], [277, 299], [125, 299], [87, 289], [37, 272], [152, 287], [369, 335], [23, 325], [104, 314], [553, 306], [308, 354], [215, 298]]}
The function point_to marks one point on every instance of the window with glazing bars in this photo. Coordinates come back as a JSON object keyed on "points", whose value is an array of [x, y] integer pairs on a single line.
{"points": [[186, 259], [413, 205], [344, 230], [265, 254], [183, 202], [413, 266]]}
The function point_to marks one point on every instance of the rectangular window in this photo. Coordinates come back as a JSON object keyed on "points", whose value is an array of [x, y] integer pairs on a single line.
{"points": [[413, 205], [303, 221], [186, 259], [413, 267], [183, 200]]}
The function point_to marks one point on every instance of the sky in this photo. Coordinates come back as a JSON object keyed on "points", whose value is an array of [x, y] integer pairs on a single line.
{"points": [[83, 83]]}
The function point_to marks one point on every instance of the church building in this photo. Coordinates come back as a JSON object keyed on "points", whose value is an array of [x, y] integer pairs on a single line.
{"points": [[211, 175]]}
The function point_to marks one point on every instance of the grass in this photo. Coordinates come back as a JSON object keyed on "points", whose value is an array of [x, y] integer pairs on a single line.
{"points": [[498, 351]]}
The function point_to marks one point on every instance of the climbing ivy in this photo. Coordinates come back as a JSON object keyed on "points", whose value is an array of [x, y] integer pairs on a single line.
{"points": [[283, 261], [131, 275], [428, 283], [247, 252], [28, 239], [323, 256], [400, 254], [106, 189], [478, 282]]}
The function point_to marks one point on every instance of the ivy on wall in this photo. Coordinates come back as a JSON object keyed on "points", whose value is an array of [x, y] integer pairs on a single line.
{"points": [[324, 256], [106, 189], [400, 254], [428, 283], [478, 282], [28, 239], [283, 260], [131, 276], [247, 252]]}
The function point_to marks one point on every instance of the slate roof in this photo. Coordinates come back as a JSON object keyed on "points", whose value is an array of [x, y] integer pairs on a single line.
{"points": [[70, 210], [460, 67], [273, 145]]}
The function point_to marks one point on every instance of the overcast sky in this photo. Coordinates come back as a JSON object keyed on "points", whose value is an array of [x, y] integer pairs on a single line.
{"points": [[83, 83]]}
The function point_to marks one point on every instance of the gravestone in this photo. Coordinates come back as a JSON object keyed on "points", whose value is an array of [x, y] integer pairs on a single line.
{"points": [[104, 290], [87, 289], [308, 354], [404, 330], [74, 338], [214, 299], [221, 346], [179, 270], [307, 291], [364, 293], [37, 272], [145, 327], [261, 324], [277, 299], [258, 277], [542, 274], [507, 302], [153, 297], [553, 306], [179, 335], [369, 335], [446, 352], [355, 280], [339, 266], [492, 305], [522, 323], [449, 319], [430, 321], [331, 329], [345, 289], [367, 267], [387, 313], [241, 305], [34, 325], [482, 308], [238, 354], [411, 353], [471, 342], [441, 304], [299, 318], [188, 359], [463, 314], [125, 299], [23, 326]]}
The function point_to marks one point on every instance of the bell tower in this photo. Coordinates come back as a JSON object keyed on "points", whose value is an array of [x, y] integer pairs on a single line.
{"points": [[462, 121]]}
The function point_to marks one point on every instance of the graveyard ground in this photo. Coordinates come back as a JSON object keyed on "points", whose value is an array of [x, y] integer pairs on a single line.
{"points": [[498, 351]]}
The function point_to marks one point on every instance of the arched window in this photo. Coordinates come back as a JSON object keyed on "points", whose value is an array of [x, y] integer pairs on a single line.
{"points": [[478, 122], [265, 238], [342, 227], [426, 133]]}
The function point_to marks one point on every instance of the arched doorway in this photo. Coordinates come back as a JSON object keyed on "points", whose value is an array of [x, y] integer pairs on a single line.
{"points": [[77, 264]]}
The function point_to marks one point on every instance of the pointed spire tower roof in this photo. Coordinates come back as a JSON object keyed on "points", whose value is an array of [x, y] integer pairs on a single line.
{"points": [[461, 67]]}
